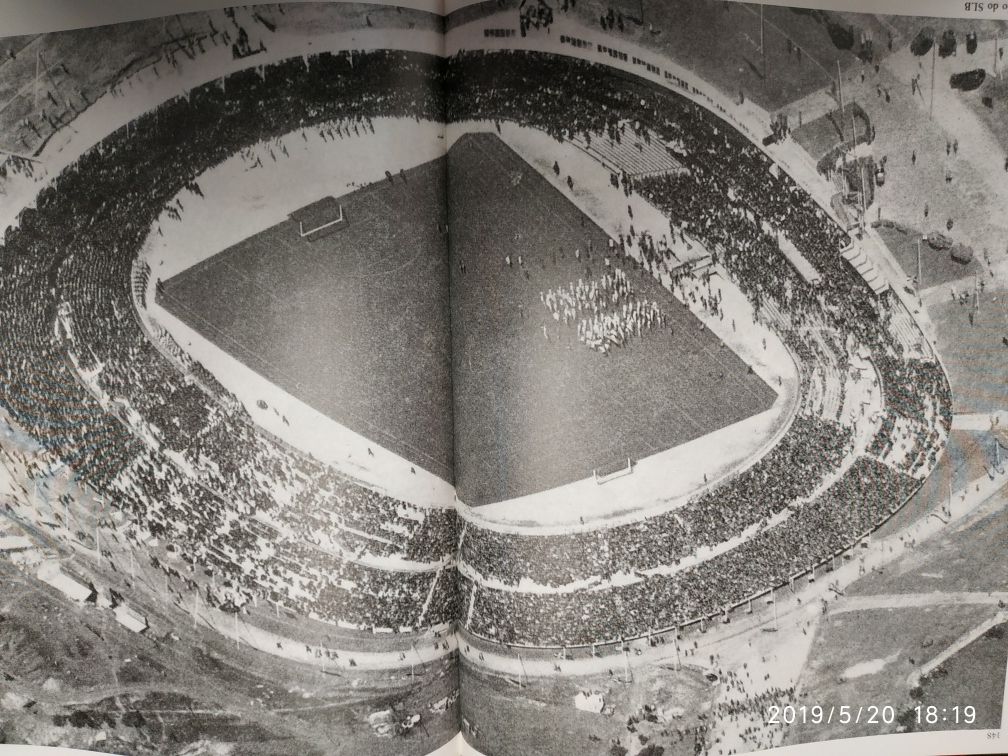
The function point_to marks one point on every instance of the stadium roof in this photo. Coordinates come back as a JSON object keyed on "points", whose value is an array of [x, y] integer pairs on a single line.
{"points": [[805, 268], [867, 270]]}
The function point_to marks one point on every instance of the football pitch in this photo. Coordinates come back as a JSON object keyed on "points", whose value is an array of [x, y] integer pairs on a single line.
{"points": [[534, 411], [353, 322]]}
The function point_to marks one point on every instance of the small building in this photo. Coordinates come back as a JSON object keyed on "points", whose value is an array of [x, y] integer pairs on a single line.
{"points": [[800, 263], [866, 269], [20, 550], [589, 700], [130, 618], [50, 573], [14, 543]]}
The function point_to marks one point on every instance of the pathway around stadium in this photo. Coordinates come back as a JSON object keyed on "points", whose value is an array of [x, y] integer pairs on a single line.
{"points": [[980, 421], [960, 643], [908, 600]]}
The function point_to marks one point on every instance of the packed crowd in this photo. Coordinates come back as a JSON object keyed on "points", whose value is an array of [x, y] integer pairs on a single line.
{"points": [[843, 513], [726, 196], [748, 717], [724, 511], [199, 482], [916, 395]]}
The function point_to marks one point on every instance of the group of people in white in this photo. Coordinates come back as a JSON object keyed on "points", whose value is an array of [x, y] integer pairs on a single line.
{"points": [[606, 311]]}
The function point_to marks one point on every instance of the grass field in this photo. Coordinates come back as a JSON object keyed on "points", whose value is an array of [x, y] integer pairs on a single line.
{"points": [[969, 678], [897, 641], [541, 718], [975, 355], [822, 134], [354, 323], [532, 413], [937, 267], [960, 559]]}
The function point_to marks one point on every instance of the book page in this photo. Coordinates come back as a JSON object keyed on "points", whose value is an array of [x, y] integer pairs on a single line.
{"points": [[226, 459], [730, 352]]}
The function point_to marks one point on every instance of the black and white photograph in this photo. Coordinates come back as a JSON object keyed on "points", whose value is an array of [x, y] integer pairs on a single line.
{"points": [[562, 377]]}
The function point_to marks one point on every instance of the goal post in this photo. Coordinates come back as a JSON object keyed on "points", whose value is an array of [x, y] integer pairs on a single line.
{"points": [[322, 215], [605, 474], [310, 230]]}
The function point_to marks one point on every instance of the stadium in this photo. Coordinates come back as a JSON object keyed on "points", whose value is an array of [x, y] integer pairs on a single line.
{"points": [[678, 386]]}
